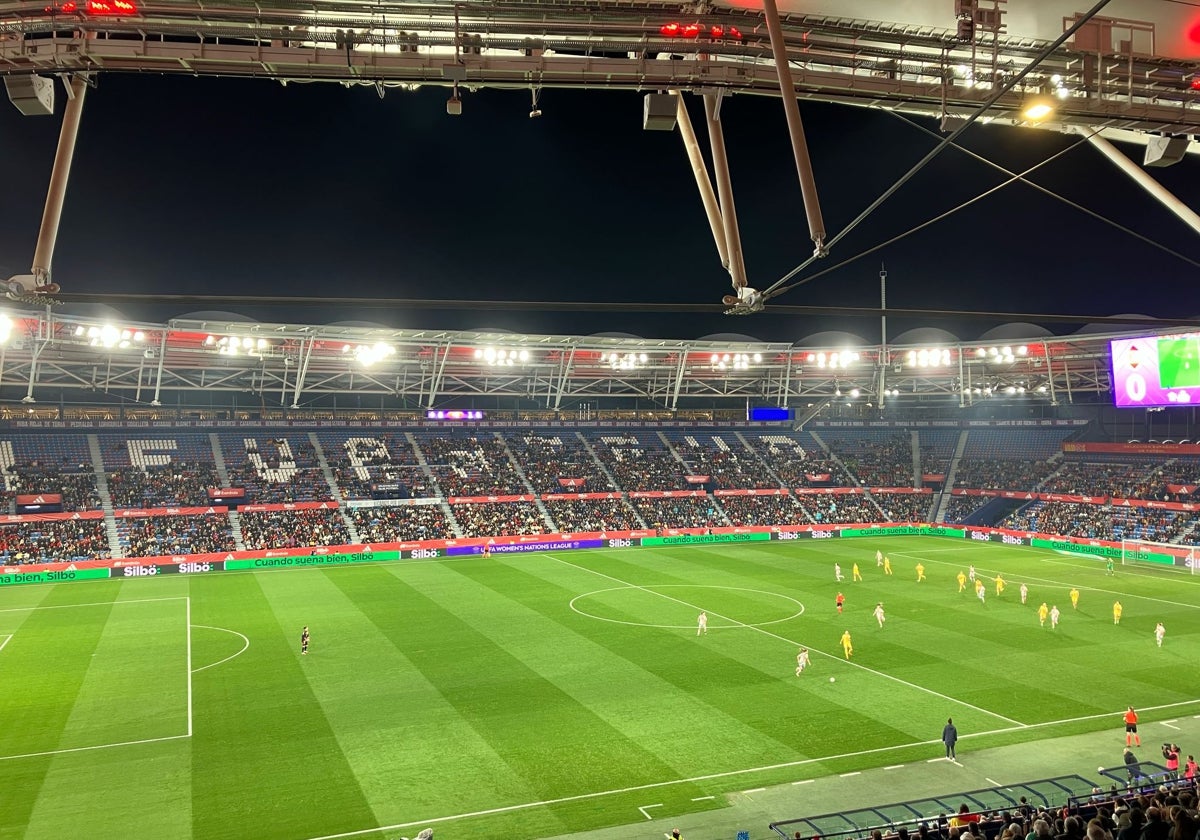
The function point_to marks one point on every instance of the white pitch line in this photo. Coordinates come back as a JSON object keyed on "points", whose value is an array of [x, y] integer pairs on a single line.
{"points": [[804, 782], [1168, 723], [737, 623], [702, 798], [848, 775], [96, 747], [893, 767], [188, 625], [643, 809], [991, 782], [1052, 582], [95, 604], [932, 760], [245, 647], [754, 790], [7, 639]]}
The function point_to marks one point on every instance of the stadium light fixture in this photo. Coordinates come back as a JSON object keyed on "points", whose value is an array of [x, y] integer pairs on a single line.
{"points": [[624, 361], [369, 354], [1037, 108], [501, 356], [235, 345], [837, 359], [108, 337]]}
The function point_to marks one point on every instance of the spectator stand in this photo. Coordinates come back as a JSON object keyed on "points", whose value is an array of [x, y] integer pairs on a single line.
{"points": [[577, 514], [51, 463], [469, 463], [988, 805], [373, 464], [305, 525], [277, 467], [55, 540], [761, 508], [400, 521], [498, 516], [797, 459], [558, 463], [158, 472], [677, 509], [638, 459], [876, 458], [150, 533], [719, 454]]}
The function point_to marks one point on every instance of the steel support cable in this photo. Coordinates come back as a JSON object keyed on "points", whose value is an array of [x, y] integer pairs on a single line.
{"points": [[774, 289], [1052, 194], [1014, 179]]}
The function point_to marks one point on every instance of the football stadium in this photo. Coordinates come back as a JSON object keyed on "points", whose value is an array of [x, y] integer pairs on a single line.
{"points": [[927, 572]]}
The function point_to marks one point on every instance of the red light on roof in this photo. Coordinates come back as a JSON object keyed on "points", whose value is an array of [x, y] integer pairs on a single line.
{"points": [[670, 30], [69, 7], [692, 30], [1195, 82], [716, 32], [111, 8], [735, 33]]}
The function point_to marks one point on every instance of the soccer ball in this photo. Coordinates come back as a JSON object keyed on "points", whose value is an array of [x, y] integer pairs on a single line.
{"points": [[833, 679], [1099, 769]]}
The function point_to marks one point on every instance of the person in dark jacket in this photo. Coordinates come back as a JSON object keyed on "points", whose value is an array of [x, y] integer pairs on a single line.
{"points": [[949, 737]]}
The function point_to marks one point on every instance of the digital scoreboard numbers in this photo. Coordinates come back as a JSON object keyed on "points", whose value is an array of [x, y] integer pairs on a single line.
{"points": [[1155, 371]]}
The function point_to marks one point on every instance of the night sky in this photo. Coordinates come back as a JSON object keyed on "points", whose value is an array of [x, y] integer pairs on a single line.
{"points": [[215, 186]]}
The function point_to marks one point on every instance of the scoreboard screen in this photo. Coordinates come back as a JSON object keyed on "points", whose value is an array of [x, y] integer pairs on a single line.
{"points": [[1156, 370]]}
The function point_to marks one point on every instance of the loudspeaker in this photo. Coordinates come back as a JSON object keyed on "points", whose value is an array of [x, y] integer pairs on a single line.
{"points": [[658, 113], [1165, 151], [33, 95]]}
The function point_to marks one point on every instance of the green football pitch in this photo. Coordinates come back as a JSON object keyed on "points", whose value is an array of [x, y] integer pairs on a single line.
{"points": [[536, 695]]}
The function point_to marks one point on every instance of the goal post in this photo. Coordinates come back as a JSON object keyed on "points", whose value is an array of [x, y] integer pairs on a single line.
{"points": [[1148, 553]]}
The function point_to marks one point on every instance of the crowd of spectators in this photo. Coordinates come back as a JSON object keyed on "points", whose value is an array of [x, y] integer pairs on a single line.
{"points": [[1165, 812], [681, 512], [1184, 471], [789, 460], [1100, 522], [1001, 474], [841, 507], [397, 524], [729, 468], [174, 484], [905, 507], [53, 541], [281, 479], [472, 466], [499, 519], [293, 528], [76, 483], [640, 463], [547, 459], [592, 515], [161, 535], [762, 510], [386, 458], [884, 463], [960, 507], [1082, 478]]}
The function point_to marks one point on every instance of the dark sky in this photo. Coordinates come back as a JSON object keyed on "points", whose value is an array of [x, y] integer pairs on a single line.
{"points": [[215, 186]]}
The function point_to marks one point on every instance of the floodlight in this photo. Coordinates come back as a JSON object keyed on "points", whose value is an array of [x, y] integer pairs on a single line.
{"points": [[854, 392], [139, 336], [1037, 108], [980, 352], [757, 358], [79, 331], [1022, 350], [644, 358], [524, 356]]}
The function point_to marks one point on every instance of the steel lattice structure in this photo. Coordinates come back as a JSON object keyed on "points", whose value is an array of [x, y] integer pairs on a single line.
{"points": [[190, 362]]}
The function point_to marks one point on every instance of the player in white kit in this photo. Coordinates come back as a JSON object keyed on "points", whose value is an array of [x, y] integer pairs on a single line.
{"points": [[702, 623]]}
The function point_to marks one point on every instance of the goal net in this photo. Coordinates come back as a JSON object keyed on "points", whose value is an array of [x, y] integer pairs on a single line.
{"points": [[1145, 552]]}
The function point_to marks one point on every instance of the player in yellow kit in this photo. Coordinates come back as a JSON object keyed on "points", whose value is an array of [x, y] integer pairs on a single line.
{"points": [[1000, 584], [962, 580], [1074, 593], [887, 565], [855, 574], [920, 572], [847, 645], [1043, 612], [1117, 610]]}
